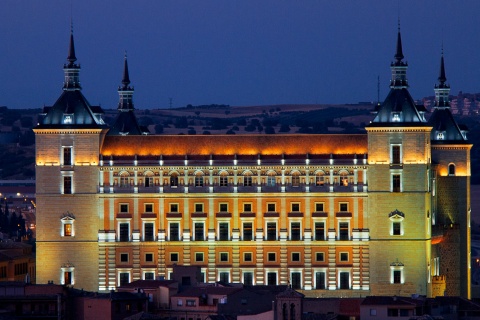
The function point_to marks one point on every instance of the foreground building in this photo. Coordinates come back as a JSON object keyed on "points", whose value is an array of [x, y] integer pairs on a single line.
{"points": [[381, 213]]}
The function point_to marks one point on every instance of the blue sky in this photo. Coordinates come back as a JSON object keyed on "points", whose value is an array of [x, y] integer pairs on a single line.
{"points": [[234, 52]]}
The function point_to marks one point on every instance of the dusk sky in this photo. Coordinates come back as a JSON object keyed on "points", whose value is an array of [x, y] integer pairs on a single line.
{"points": [[234, 52]]}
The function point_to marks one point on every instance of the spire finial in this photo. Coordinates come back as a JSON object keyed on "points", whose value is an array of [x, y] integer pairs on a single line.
{"points": [[126, 77]]}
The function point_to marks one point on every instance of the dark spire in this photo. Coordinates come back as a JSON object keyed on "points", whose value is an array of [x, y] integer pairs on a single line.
{"points": [[71, 50], [442, 78], [126, 77], [399, 53]]}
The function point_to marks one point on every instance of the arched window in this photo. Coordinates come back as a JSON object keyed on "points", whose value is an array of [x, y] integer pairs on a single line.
{"points": [[247, 179], [124, 179], [199, 179], [223, 179], [284, 312], [271, 179], [148, 179], [295, 179], [344, 178], [174, 180], [292, 311], [320, 178], [451, 169]]}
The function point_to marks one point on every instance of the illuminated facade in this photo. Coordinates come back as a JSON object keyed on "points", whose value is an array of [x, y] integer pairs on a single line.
{"points": [[340, 215]]}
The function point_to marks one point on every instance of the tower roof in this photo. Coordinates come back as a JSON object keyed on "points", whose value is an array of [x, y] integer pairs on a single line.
{"points": [[399, 52], [126, 77], [71, 52]]}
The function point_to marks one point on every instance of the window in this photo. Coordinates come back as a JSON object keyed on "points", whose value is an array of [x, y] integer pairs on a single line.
{"points": [[397, 276], [295, 207], [295, 179], [199, 179], [199, 207], [173, 207], [223, 232], [124, 257], [295, 256], [320, 280], [392, 312], [319, 231], [344, 178], [344, 232], [224, 277], [271, 278], [198, 256], [198, 231], [174, 257], [191, 303], [247, 257], [271, 256], [223, 256], [149, 207], [148, 231], [248, 278], [295, 231], [396, 185], [319, 207], [124, 207], [223, 179], [320, 179], [67, 156], [451, 169], [396, 228], [440, 135], [343, 206], [67, 185], [373, 312], [296, 280], [344, 256], [395, 117], [179, 302], [247, 179], [271, 207], [149, 276], [396, 155], [247, 207], [247, 231], [271, 179], [344, 280], [67, 277], [271, 231], [223, 207], [67, 229], [149, 180], [148, 257], [174, 180], [124, 179], [174, 231], [124, 233], [320, 257]]}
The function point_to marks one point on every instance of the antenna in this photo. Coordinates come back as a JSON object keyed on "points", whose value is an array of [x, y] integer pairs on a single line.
{"points": [[378, 89]]}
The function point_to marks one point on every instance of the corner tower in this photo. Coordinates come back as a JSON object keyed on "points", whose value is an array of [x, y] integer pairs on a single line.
{"points": [[450, 197], [67, 142], [399, 190]]}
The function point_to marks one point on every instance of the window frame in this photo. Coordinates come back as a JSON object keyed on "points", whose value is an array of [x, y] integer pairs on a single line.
{"points": [[317, 206], [396, 184], [198, 255], [295, 232], [323, 236], [268, 227], [170, 225], [67, 187], [196, 231], [145, 236], [317, 256], [245, 231], [248, 256], [296, 257], [224, 256], [222, 235]]}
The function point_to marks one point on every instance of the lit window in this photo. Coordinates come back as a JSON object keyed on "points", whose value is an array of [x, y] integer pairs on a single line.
{"points": [[68, 275], [67, 119], [395, 117], [67, 220], [344, 178], [440, 135], [320, 178], [271, 179]]}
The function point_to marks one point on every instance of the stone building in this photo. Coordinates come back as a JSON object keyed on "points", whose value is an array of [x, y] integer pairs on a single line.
{"points": [[381, 213]]}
